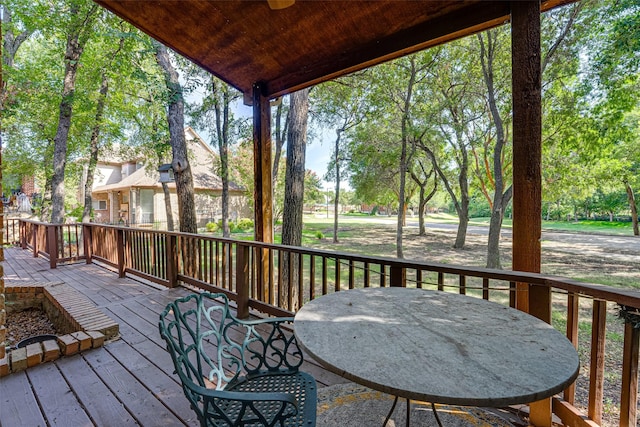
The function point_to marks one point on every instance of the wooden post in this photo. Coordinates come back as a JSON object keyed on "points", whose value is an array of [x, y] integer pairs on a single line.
{"points": [[172, 259], [398, 276], [527, 154], [34, 239], [262, 191], [52, 245], [527, 176], [120, 251], [596, 368], [629, 398], [242, 280], [87, 234], [23, 234]]}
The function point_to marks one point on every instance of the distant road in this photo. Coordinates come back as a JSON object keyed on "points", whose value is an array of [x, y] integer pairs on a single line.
{"points": [[610, 246]]}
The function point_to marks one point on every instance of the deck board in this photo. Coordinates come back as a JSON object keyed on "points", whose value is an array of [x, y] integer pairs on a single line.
{"points": [[129, 381], [15, 396], [58, 403], [102, 406]]}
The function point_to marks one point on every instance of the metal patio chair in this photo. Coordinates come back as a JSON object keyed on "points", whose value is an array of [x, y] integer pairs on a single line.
{"points": [[237, 372]]}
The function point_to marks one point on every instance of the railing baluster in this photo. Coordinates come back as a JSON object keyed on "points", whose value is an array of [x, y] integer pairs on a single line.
{"points": [[419, 279], [596, 368], [312, 277], [629, 395], [324, 275], [512, 294], [367, 275], [383, 276], [572, 335], [300, 280], [440, 281], [463, 284], [485, 288], [337, 280], [271, 280], [351, 274]]}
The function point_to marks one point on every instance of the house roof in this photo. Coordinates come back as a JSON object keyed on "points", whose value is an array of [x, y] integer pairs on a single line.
{"points": [[246, 42], [204, 177]]}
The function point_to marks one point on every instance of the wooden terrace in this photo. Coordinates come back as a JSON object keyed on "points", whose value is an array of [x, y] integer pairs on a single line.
{"points": [[128, 381], [165, 264]]}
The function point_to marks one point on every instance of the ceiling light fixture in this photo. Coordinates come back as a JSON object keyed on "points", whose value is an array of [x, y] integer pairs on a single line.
{"points": [[280, 4]]}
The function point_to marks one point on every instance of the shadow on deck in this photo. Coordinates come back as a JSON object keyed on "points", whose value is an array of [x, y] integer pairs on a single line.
{"points": [[129, 381]]}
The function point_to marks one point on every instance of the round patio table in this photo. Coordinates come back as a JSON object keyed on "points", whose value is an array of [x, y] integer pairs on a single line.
{"points": [[436, 347]]}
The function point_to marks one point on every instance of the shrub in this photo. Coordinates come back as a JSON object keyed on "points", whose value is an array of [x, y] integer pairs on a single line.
{"points": [[212, 227], [244, 224], [319, 235]]}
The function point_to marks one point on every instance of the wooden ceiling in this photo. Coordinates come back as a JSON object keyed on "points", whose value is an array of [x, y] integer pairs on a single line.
{"points": [[244, 42]]}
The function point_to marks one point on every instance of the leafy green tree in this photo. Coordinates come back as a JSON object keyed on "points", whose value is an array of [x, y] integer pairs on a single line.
{"points": [[339, 105], [180, 162], [81, 16], [215, 114]]}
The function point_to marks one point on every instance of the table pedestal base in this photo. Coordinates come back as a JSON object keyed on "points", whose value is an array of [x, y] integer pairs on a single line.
{"points": [[408, 420]]}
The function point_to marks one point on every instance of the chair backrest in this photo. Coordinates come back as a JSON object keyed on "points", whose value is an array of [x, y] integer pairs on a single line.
{"points": [[200, 339]]}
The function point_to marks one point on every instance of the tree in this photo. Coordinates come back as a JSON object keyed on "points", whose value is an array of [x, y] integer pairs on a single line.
{"points": [[180, 162], [94, 144], [454, 108], [294, 186], [340, 105], [81, 16], [215, 113]]}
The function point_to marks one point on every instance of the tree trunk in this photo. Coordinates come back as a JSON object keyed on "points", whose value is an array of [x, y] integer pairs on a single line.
{"points": [[75, 45], [221, 108], [94, 149], [167, 206], [500, 200], [634, 208], [336, 202], [294, 191], [180, 163]]}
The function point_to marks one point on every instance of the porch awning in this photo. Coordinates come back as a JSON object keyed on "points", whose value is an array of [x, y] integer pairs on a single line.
{"points": [[246, 42]]}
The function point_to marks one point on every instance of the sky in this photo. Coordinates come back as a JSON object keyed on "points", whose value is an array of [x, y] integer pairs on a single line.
{"points": [[319, 147]]}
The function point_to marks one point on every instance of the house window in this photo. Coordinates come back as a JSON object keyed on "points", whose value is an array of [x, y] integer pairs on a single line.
{"points": [[99, 205]]}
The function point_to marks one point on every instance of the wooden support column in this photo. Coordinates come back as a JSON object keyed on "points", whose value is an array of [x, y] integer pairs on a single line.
{"points": [[262, 190], [52, 245], [527, 153], [527, 176], [87, 234]]}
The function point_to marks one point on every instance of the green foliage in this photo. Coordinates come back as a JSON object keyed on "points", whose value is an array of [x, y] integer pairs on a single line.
{"points": [[211, 227], [319, 235], [244, 224]]}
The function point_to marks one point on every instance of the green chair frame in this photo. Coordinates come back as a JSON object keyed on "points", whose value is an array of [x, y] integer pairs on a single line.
{"points": [[237, 372]]}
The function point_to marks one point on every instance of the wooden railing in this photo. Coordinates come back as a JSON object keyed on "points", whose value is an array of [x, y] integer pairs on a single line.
{"points": [[60, 243], [11, 231], [278, 279]]}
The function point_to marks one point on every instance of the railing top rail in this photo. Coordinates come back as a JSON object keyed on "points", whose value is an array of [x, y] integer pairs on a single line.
{"points": [[626, 297]]}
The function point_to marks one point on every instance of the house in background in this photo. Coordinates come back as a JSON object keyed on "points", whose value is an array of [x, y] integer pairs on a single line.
{"points": [[125, 191]]}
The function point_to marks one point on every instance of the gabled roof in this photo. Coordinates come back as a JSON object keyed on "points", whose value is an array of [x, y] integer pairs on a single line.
{"points": [[246, 42], [203, 179]]}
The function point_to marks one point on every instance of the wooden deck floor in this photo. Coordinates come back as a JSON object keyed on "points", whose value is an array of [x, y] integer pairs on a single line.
{"points": [[129, 381]]}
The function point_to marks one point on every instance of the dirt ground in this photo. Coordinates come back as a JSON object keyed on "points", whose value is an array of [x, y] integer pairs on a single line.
{"points": [[611, 260]]}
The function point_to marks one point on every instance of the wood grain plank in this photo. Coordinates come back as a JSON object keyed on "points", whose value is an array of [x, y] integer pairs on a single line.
{"points": [[143, 405], [15, 396], [99, 402], [59, 404], [162, 385]]}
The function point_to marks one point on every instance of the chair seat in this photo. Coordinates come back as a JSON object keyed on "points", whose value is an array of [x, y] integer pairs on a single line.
{"points": [[300, 384]]}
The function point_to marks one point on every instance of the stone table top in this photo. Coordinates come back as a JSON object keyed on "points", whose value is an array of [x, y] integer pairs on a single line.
{"points": [[436, 346]]}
